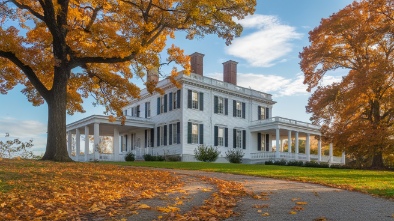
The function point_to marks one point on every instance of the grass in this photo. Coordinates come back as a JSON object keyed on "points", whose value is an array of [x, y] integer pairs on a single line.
{"points": [[379, 183]]}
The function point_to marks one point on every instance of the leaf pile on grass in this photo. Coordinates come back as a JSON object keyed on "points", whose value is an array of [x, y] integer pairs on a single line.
{"points": [[59, 191]]}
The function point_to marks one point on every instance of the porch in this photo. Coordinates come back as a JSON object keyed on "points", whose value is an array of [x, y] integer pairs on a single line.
{"points": [[274, 133]]}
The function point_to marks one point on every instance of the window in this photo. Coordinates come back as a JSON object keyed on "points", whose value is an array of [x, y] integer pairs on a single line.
{"points": [[221, 136], [149, 137], [263, 113], [220, 105], [162, 104], [147, 109], [162, 135], [123, 143], [135, 111], [239, 138], [263, 142], [174, 133], [174, 100], [125, 112], [239, 109], [195, 100], [195, 133]]}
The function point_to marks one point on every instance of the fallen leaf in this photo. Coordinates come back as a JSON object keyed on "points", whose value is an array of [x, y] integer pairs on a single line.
{"points": [[265, 214], [298, 208], [143, 206], [301, 203], [292, 212], [39, 212]]}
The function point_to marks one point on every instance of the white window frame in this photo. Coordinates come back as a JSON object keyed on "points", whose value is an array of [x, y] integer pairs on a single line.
{"points": [[238, 109], [148, 109], [148, 138], [221, 132], [262, 112], [162, 104], [220, 105], [174, 134], [238, 139], [195, 133], [161, 135], [174, 100], [195, 100], [262, 138]]}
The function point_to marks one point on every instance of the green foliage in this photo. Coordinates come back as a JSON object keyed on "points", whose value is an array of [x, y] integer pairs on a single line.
{"points": [[316, 164], [234, 156], [149, 157], [206, 153], [295, 163], [16, 148], [129, 157]]}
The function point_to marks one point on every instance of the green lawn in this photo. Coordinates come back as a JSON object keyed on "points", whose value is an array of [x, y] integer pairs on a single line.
{"points": [[379, 183]]}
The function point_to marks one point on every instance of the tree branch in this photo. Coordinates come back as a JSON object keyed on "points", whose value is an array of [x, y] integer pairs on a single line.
{"points": [[22, 6], [28, 71], [80, 62]]}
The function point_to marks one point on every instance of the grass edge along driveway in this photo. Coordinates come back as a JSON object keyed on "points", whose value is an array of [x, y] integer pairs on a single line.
{"points": [[378, 183]]}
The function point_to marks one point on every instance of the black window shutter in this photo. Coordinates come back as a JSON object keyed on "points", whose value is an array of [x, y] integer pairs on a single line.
{"points": [[201, 133], [259, 113], [215, 105], [178, 132], [126, 141], [216, 134], [170, 102], [138, 111], [226, 106], [146, 109], [244, 139], [267, 142], [158, 105], [226, 137], [178, 99], [189, 132], [267, 112], [165, 135], [189, 98], [146, 138], [243, 110], [170, 133], [234, 108], [165, 103], [158, 136], [234, 138], [259, 140], [152, 137], [201, 101]]}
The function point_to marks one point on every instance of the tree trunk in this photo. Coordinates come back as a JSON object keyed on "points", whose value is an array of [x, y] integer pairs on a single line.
{"points": [[377, 160], [56, 148]]}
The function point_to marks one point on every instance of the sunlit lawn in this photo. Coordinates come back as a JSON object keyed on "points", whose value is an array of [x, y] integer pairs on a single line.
{"points": [[379, 183]]}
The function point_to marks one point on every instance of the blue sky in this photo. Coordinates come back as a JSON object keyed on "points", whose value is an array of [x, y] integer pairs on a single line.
{"points": [[266, 52]]}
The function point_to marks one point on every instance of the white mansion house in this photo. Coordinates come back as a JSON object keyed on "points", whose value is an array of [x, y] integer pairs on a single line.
{"points": [[203, 111]]}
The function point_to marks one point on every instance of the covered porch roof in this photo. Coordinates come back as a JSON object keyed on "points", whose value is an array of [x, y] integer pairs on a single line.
{"points": [[270, 125], [107, 127]]}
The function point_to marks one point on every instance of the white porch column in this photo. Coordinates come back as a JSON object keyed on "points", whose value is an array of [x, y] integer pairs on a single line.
{"points": [[116, 145], [296, 145], [331, 154], [129, 148], [308, 147], [277, 155], [77, 143], [289, 141], [343, 158], [319, 149], [69, 139], [96, 134], [86, 143]]}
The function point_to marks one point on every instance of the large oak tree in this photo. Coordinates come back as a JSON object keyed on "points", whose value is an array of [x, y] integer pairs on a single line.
{"points": [[64, 50], [357, 113]]}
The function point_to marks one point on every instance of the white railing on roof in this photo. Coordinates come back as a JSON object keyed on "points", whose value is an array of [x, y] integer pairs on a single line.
{"points": [[221, 84], [292, 156], [287, 121]]}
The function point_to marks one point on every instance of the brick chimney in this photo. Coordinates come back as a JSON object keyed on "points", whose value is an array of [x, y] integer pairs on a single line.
{"points": [[197, 63], [230, 72], [152, 75]]}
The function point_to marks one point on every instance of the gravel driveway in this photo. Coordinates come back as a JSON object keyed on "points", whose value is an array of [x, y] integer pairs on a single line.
{"points": [[282, 200]]}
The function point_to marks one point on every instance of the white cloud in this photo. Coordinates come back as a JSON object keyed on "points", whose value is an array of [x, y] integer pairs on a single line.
{"points": [[267, 45], [24, 130], [276, 85]]}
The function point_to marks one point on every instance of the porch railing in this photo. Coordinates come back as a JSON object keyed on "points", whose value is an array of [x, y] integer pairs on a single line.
{"points": [[287, 121], [292, 156]]}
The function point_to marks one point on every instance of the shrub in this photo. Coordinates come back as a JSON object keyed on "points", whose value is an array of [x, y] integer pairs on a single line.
{"points": [[316, 164], [269, 162], [295, 163], [206, 153], [281, 162], [160, 158], [149, 157], [234, 156], [129, 157], [173, 158]]}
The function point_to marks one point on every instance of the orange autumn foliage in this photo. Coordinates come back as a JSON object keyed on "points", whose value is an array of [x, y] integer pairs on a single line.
{"points": [[65, 50], [357, 113]]}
